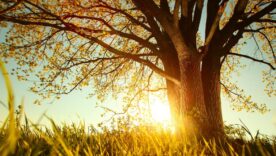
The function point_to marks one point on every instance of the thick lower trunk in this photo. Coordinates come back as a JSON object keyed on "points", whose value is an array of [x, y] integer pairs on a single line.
{"points": [[171, 66], [192, 105], [187, 102], [211, 85]]}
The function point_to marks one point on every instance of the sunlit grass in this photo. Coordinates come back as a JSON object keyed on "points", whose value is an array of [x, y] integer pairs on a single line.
{"points": [[10, 141], [26, 138], [76, 140]]}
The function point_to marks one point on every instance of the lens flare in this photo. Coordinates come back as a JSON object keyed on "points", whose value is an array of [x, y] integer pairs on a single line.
{"points": [[160, 112]]}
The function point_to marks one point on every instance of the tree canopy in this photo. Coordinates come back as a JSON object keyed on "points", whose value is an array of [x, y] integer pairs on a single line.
{"points": [[123, 46]]}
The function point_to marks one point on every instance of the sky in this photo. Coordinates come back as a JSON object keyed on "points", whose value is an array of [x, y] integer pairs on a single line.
{"points": [[76, 107]]}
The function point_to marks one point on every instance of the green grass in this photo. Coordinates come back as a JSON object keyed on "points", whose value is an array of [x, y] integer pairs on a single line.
{"points": [[76, 140], [26, 138]]}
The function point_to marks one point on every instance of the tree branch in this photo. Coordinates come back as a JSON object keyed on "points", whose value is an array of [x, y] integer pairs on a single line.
{"points": [[103, 44], [22, 22], [266, 20], [254, 59], [176, 13], [164, 5], [131, 18], [233, 40], [197, 18], [11, 7], [213, 28], [184, 8], [128, 55], [215, 23], [264, 35], [258, 15]]}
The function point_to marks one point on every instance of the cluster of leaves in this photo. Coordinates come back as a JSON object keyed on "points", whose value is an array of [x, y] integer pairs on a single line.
{"points": [[59, 60], [259, 39]]}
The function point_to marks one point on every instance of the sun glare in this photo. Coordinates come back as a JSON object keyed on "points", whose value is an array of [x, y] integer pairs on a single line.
{"points": [[160, 112]]}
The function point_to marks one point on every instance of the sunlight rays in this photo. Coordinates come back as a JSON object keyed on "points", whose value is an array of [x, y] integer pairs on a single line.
{"points": [[160, 112]]}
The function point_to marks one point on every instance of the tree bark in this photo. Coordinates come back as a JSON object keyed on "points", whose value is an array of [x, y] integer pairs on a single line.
{"points": [[192, 104], [171, 67], [187, 103], [187, 100], [200, 92], [211, 86]]}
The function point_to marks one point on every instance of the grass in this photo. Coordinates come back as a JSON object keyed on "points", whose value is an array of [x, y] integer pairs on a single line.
{"points": [[26, 138], [75, 140]]}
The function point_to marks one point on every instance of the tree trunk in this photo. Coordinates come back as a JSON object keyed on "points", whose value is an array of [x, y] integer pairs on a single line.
{"points": [[192, 104], [187, 100], [186, 103], [211, 88], [211, 85], [171, 66]]}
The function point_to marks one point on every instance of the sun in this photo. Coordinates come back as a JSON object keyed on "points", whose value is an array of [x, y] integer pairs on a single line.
{"points": [[160, 112]]}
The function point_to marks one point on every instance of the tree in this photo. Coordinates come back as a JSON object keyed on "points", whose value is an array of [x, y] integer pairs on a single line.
{"points": [[123, 43]]}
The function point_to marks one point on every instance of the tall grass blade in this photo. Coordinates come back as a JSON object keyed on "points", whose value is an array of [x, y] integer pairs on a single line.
{"points": [[10, 144]]}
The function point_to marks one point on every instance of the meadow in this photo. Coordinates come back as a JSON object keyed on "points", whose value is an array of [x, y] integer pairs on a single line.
{"points": [[73, 140]]}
